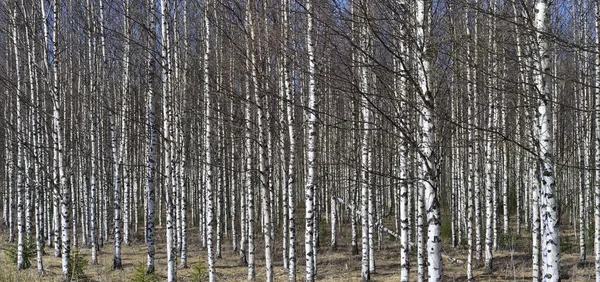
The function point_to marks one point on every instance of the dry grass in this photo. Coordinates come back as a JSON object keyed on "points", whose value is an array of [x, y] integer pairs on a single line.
{"points": [[511, 262]]}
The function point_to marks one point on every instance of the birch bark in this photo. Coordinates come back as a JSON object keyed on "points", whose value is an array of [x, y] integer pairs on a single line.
{"points": [[544, 122], [309, 240]]}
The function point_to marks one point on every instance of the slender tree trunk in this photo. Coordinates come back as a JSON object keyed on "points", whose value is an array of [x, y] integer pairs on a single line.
{"points": [[151, 125], [401, 196], [248, 154], [489, 185], [429, 163], [291, 169], [207, 149], [597, 144], [309, 240], [124, 139], [168, 143], [184, 184], [116, 194], [364, 163], [19, 147], [548, 206]]}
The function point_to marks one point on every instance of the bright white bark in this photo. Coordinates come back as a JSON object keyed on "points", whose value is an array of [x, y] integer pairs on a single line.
{"points": [[116, 196], [7, 162], [597, 144], [168, 143], [248, 151], [429, 161], [291, 204], [470, 151], [401, 194], [476, 134], [104, 191], [489, 186], [364, 149], [220, 178], [39, 194], [207, 150], [309, 239], [58, 146], [48, 53], [579, 121], [124, 138], [370, 202], [20, 181], [93, 193], [233, 183], [283, 90], [36, 139], [151, 125], [548, 206], [404, 219], [263, 169], [420, 206], [333, 224]]}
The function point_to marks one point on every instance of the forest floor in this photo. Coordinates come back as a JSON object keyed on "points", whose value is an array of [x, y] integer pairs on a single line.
{"points": [[512, 261]]}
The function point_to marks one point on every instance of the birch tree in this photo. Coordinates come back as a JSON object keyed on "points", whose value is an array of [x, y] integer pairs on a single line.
{"points": [[429, 163], [597, 144], [151, 125], [544, 122], [291, 173], [309, 242], [364, 151], [207, 149], [19, 147], [248, 148], [167, 141]]}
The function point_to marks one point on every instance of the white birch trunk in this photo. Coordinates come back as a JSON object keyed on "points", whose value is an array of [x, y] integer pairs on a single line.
{"points": [[370, 202], [263, 166], [151, 125], [476, 136], [404, 219], [58, 148], [36, 140], [489, 183], [548, 206], [207, 151], [104, 192], [168, 143], [248, 153], [309, 242], [291, 169], [333, 224], [470, 151], [220, 180], [282, 69], [364, 153], [93, 157], [535, 228], [39, 194], [116, 195], [124, 129], [401, 196], [54, 183], [233, 180], [582, 184], [365, 273], [19, 148], [183, 186], [597, 144], [429, 163]]}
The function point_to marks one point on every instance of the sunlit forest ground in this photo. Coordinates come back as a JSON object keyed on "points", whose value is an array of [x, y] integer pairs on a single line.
{"points": [[512, 261]]}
